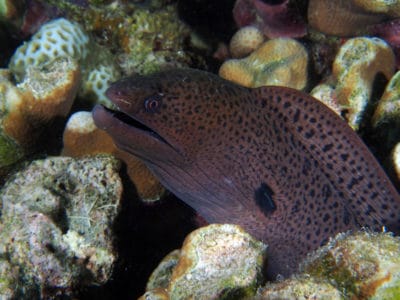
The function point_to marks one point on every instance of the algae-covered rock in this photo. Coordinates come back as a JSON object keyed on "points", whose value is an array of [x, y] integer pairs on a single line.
{"points": [[28, 107], [219, 261], [388, 107], [326, 94], [299, 288], [357, 63], [395, 157], [56, 217], [363, 265], [161, 276], [155, 39]]}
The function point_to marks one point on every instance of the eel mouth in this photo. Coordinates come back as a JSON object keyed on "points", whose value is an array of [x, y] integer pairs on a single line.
{"points": [[134, 123]]}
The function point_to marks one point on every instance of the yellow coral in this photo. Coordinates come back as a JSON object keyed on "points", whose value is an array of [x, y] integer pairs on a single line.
{"points": [[326, 94], [281, 61], [396, 160], [245, 40], [389, 104], [355, 67]]}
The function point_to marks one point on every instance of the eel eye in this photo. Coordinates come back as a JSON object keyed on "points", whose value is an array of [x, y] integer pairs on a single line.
{"points": [[153, 103]]}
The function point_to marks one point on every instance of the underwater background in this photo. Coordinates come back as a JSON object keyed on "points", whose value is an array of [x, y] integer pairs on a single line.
{"points": [[81, 218]]}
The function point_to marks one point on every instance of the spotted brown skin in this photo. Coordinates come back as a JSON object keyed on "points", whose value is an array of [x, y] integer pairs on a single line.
{"points": [[273, 160]]}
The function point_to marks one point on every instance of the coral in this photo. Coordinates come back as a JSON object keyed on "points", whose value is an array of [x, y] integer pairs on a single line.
{"points": [[279, 61], [322, 50], [62, 38], [96, 81], [8, 278], [26, 108], [55, 39], [347, 18], [357, 63], [274, 20], [11, 11], [154, 40], [363, 265], [161, 276], [245, 40], [396, 160], [327, 95], [81, 137], [56, 217], [299, 288], [142, 37], [340, 18], [216, 261], [388, 107], [388, 7]]}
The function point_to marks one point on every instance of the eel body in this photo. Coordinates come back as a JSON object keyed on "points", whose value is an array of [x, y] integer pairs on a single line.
{"points": [[273, 160]]}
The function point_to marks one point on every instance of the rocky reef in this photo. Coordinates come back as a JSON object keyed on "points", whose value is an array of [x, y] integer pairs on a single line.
{"points": [[55, 226], [63, 180]]}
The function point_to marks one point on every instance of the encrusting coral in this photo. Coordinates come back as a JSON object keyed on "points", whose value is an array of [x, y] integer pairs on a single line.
{"points": [[357, 63], [388, 107], [301, 287], [326, 94], [395, 159], [348, 91], [81, 137], [280, 61], [245, 40], [55, 226], [351, 266], [216, 261], [363, 265], [26, 108]]}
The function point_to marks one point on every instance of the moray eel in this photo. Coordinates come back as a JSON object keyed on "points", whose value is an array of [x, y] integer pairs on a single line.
{"points": [[272, 159]]}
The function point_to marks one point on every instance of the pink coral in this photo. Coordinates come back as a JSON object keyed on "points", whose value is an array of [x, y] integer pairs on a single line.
{"points": [[275, 20]]}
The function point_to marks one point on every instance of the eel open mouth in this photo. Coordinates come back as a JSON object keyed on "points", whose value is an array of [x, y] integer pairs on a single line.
{"points": [[132, 122]]}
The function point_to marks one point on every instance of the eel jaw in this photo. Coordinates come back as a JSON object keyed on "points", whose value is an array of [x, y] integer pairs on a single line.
{"points": [[129, 121]]}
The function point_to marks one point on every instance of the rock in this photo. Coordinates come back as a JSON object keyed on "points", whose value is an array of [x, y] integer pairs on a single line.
{"points": [[388, 107], [216, 261], [300, 288], [56, 218], [363, 265]]}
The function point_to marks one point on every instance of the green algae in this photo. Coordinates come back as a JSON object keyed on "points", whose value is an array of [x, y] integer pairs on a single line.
{"points": [[365, 264], [10, 151]]}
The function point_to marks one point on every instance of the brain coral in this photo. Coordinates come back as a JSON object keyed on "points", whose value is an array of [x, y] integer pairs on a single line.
{"points": [[58, 38]]}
